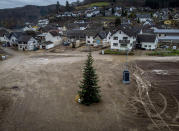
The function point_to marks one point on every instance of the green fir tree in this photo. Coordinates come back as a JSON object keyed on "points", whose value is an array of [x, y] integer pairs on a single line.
{"points": [[89, 93]]}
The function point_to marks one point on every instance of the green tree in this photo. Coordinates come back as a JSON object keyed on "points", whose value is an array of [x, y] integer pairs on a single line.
{"points": [[124, 13], [89, 88], [68, 6], [132, 15], [57, 7], [103, 11], [138, 21], [117, 22]]}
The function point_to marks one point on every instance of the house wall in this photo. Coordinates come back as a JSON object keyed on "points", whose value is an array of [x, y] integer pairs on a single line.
{"points": [[4, 39], [49, 46], [98, 41], [89, 40], [150, 45], [51, 38], [13, 40], [120, 36], [31, 44], [22, 46]]}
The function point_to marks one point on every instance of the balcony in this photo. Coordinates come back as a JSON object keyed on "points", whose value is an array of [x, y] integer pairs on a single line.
{"points": [[124, 41]]}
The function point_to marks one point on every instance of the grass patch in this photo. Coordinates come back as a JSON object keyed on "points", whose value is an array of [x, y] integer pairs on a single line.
{"points": [[116, 52], [98, 4], [164, 53]]}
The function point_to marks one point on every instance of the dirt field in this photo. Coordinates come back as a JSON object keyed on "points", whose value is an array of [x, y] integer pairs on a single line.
{"points": [[38, 94], [164, 90]]}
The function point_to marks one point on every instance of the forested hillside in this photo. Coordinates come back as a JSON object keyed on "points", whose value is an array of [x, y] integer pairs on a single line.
{"points": [[12, 18], [162, 3], [150, 3]]}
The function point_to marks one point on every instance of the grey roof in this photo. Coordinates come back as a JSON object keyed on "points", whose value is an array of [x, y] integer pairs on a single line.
{"points": [[76, 33], [128, 29], [146, 38], [169, 38], [24, 38], [16, 34], [48, 27], [143, 15], [148, 31], [91, 32], [102, 34], [77, 25], [54, 33], [166, 31]]}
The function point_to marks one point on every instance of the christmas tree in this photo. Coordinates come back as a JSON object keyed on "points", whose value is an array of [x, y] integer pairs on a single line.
{"points": [[89, 88]]}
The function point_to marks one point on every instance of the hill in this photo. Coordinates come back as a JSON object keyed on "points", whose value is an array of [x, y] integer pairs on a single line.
{"points": [[98, 4], [16, 17]]}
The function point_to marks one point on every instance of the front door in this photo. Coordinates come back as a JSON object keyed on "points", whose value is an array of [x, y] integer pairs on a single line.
{"points": [[98, 42]]}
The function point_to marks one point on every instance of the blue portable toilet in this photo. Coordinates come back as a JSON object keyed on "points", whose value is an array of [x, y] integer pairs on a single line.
{"points": [[126, 77]]}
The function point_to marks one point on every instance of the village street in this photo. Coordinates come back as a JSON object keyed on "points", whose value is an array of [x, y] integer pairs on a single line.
{"points": [[40, 88]]}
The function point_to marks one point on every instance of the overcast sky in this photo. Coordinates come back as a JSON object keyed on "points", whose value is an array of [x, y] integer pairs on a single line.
{"points": [[20, 3]]}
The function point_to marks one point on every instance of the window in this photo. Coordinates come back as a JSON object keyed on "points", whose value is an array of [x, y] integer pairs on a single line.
{"points": [[125, 38], [115, 38], [150, 46], [145, 45], [119, 32], [88, 41], [88, 36], [115, 44], [124, 45]]}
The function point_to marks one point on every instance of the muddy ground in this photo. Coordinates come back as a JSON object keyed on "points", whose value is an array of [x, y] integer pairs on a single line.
{"points": [[38, 94], [164, 92]]}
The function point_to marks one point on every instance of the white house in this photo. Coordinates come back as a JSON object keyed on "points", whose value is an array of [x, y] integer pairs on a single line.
{"points": [[3, 36], [27, 42], [48, 45], [92, 13], [117, 14], [144, 17], [54, 37], [43, 22], [13, 37], [90, 38], [97, 38], [30, 28], [148, 41], [124, 38]]}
